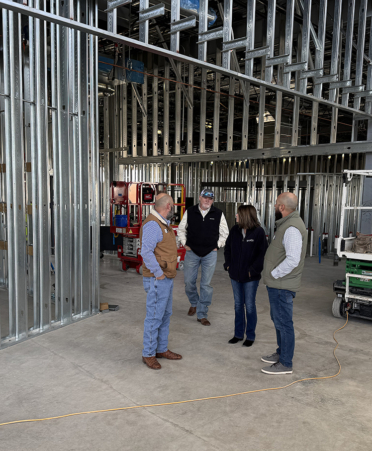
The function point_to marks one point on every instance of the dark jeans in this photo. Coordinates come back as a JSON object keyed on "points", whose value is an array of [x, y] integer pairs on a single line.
{"points": [[245, 295], [281, 312]]}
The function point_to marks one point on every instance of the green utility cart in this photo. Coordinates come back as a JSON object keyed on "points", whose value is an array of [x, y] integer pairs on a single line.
{"points": [[354, 293]]}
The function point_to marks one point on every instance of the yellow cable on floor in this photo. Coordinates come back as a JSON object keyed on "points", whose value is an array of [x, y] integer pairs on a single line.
{"points": [[193, 400]]}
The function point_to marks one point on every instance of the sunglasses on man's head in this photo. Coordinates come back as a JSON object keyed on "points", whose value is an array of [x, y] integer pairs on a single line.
{"points": [[208, 195]]}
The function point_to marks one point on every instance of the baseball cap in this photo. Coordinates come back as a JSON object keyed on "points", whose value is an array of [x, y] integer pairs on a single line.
{"points": [[207, 193]]}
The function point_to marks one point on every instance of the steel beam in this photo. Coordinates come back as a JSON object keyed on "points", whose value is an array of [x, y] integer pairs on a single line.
{"points": [[322, 149]]}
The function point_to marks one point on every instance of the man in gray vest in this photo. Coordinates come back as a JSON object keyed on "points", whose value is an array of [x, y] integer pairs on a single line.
{"points": [[283, 266]]}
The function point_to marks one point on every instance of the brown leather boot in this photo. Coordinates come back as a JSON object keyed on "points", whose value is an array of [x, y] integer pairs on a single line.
{"points": [[204, 322], [168, 355], [192, 311], [151, 362]]}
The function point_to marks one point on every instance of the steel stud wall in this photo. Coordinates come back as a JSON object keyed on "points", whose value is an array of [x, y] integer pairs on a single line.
{"points": [[273, 89], [316, 181], [49, 178]]}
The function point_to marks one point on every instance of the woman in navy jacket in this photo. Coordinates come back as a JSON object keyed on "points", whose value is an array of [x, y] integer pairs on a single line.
{"points": [[244, 256]]}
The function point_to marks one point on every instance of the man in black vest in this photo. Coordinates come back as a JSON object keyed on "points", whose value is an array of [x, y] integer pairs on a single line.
{"points": [[203, 230]]}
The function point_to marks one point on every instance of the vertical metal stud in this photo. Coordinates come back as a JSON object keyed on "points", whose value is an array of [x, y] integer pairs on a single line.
{"points": [[348, 46], [19, 300], [217, 99], [319, 62], [144, 26], [144, 116], [6, 31], [177, 137], [251, 16], [336, 51], [230, 119], [190, 111], [202, 55], [63, 51], [124, 122], [155, 107], [134, 123], [106, 158], [82, 13], [94, 118], [166, 109]]}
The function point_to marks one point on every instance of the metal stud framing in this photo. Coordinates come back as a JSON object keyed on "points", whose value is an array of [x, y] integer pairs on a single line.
{"points": [[52, 111], [49, 140]]}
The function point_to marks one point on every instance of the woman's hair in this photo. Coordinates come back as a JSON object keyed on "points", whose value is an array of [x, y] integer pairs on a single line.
{"points": [[248, 217]]}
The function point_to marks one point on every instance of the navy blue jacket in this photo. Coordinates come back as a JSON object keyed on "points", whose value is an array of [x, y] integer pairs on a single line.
{"points": [[244, 257]]}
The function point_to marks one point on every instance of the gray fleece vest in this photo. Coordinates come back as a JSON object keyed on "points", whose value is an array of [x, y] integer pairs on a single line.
{"points": [[275, 254]]}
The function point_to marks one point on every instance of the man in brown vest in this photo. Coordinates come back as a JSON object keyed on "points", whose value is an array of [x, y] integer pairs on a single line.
{"points": [[159, 254], [283, 266]]}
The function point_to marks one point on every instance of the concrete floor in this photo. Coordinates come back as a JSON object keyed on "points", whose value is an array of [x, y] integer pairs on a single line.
{"points": [[96, 364]]}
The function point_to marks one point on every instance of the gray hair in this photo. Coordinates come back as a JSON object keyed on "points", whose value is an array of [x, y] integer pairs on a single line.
{"points": [[162, 200]]}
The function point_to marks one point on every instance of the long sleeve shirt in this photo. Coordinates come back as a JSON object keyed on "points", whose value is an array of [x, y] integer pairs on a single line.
{"points": [[292, 242], [223, 229], [151, 236]]}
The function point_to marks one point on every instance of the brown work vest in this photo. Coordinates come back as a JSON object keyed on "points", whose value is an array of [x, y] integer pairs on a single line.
{"points": [[165, 251]]}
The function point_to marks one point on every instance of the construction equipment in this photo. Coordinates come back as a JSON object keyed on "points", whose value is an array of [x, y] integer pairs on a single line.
{"points": [[130, 204], [355, 291]]}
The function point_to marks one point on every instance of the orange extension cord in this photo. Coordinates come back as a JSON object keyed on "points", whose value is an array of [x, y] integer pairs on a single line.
{"points": [[192, 400]]}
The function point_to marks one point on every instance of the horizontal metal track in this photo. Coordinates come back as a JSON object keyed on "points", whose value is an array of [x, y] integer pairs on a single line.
{"points": [[322, 149], [22, 9]]}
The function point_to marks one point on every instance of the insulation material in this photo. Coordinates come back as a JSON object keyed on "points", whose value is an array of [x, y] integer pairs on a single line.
{"points": [[362, 244]]}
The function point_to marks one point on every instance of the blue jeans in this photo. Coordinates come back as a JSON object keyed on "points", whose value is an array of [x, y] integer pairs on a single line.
{"points": [[245, 295], [208, 265], [158, 313], [281, 312]]}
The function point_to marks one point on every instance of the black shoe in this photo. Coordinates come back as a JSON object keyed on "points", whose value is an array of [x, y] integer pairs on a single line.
{"points": [[248, 343], [235, 340]]}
